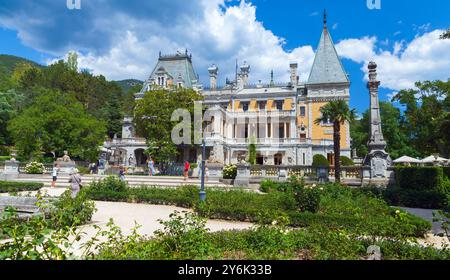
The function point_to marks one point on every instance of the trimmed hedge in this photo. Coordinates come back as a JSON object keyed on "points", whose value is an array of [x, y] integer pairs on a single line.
{"points": [[446, 170], [320, 161], [346, 161], [342, 209], [6, 186], [419, 178], [415, 198]]}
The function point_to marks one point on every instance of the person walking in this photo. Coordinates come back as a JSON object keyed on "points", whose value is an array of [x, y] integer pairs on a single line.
{"points": [[75, 180], [55, 175], [187, 166], [122, 173], [151, 167]]}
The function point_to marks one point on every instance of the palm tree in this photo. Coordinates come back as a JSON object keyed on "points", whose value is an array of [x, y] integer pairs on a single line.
{"points": [[336, 112]]}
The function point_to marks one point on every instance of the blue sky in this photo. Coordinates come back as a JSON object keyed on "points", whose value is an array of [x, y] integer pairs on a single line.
{"points": [[121, 39]]}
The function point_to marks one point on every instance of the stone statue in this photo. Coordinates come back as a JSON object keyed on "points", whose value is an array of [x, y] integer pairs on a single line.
{"points": [[213, 159], [131, 161], [65, 158]]}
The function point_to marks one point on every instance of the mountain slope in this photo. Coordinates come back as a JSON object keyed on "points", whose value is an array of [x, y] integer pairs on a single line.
{"points": [[9, 62], [126, 85]]}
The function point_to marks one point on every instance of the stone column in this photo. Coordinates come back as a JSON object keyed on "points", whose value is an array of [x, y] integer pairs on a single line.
{"points": [[377, 159]]}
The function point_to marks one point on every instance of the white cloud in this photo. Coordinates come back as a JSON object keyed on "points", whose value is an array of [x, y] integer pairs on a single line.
{"points": [[220, 35], [424, 58], [357, 50]]}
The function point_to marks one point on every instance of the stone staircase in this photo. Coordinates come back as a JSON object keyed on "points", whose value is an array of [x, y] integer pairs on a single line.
{"points": [[133, 181]]}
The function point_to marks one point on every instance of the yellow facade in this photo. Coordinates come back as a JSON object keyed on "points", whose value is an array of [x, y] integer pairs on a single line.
{"points": [[270, 105], [237, 105], [303, 120], [319, 132], [253, 106], [287, 106]]}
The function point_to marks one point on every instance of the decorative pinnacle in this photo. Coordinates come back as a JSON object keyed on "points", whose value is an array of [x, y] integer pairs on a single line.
{"points": [[373, 75], [325, 18]]}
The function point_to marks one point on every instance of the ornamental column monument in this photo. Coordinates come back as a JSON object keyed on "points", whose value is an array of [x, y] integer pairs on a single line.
{"points": [[377, 159]]}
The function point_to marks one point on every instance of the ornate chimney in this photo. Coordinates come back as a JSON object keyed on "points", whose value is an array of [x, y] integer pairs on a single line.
{"points": [[213, 70], [294, 77], [245, 71]]}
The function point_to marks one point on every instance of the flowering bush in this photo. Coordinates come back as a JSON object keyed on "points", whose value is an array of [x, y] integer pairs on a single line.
{"points": [[230, 171], [34, 168], [308, 197]]}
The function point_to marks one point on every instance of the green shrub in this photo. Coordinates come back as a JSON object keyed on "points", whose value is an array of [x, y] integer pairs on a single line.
{"points": [[83, 170], [194, 165], [111, 183], [5, 158], [320, 161], [415, 198], [244, 206], [5, 151], [307, 198], [186, 238], [45, 237], [345, 161], [230, 171], [335, 206], [446, 170], [70, 211], [419, 178], [34, 168], [272, 186], [7, 186], [252, 153], [182, 196]]}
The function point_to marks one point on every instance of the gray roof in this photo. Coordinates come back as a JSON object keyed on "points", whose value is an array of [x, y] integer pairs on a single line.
{"points": [[327, 67], [178, 66]]}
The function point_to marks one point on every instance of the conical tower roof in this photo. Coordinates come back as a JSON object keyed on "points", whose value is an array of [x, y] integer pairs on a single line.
{"points": [[327, 67]]}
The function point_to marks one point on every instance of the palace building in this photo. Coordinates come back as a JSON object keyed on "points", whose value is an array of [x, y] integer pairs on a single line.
{"points": [[278, 118]]}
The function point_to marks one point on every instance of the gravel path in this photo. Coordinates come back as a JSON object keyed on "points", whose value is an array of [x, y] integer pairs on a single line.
{"points": [[126, 214]]}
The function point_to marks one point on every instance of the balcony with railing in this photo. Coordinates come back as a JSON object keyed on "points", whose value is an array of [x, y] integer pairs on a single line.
{"points": [[262, 114]]}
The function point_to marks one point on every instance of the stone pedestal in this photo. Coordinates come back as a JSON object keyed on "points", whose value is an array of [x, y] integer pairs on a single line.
{"points": [[243, 175], [11, 170], [11, 167], [283, 174], [215, 171], [65, 167]]}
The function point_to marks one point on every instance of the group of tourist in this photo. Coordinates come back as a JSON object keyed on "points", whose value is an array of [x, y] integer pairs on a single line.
{"points": [[74, 179]]}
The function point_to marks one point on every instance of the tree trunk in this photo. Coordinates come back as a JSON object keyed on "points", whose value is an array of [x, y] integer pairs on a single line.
{"points": [[337, 151]]}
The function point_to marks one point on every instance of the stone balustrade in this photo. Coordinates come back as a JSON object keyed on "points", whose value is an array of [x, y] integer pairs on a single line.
{"points": [[254, 174]]}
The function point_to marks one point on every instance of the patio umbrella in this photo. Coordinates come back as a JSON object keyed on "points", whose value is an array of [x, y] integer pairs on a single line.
{"points": [[407, 159], [432, 159]]}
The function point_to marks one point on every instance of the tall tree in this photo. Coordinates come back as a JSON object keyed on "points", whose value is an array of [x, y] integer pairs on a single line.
{"points": [[153, 119], [72, 61], [337, 112], [395, 134], [56, 122], [426, 111]]}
